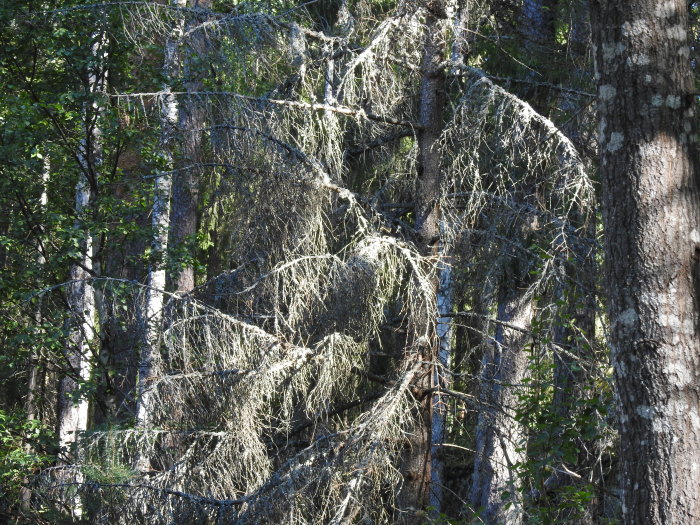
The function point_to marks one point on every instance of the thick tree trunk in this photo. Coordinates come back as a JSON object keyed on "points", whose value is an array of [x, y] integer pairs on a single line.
{"points": [[500, 439], [651, 213], [185, 185]]}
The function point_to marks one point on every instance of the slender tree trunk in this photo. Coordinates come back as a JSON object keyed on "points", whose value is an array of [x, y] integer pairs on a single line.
{"points": [[500, 439], [651, 214], [417, 464], [161, 223], [441, 379], [35, 365], [73, 406], [573, 337], [72, 413], [40, 261], [576, 107]]}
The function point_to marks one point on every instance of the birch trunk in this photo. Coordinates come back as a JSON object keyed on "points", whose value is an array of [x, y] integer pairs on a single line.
{"points": [[441, 379], [153, 308], [651, 213], [73, 413], [73, 406], [500, 439]]}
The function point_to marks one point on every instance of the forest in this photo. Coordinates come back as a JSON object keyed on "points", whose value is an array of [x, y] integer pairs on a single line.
{"points": [[413, 262]]}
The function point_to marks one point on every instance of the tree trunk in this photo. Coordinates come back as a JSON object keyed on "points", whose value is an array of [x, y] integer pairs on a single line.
{"points": [[161, 222], [417, 463], [496, 487], [35, 365], [441, 379], [651, 214], [540, 16], [73, 413], [573, 337], [40, 261], [185, 185], [73, 405], [540, 40]]}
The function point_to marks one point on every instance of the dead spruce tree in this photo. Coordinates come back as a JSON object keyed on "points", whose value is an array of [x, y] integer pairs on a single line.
{"points": [[309, 381]]}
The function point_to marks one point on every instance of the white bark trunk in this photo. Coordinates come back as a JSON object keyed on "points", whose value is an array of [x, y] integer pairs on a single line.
{"points": [[153, 309], [72, 414], [73, 407]]}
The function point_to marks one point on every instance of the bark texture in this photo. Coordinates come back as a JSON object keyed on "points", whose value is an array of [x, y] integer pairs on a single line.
{"points": [[499, 437], [185, 185], [153, 310], [417, 464], [651, 213]]}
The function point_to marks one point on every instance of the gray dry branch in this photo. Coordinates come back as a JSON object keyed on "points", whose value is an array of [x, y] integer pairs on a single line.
{"points": [[316, 261]]}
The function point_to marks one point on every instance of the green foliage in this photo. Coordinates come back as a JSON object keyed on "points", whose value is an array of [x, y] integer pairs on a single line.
{"points": [[565, 419], [23, 443]]}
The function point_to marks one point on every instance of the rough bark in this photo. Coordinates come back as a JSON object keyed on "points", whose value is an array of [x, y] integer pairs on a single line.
{"points": [[417, 462], [651, 213], [499, 437], [185, 186]]}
